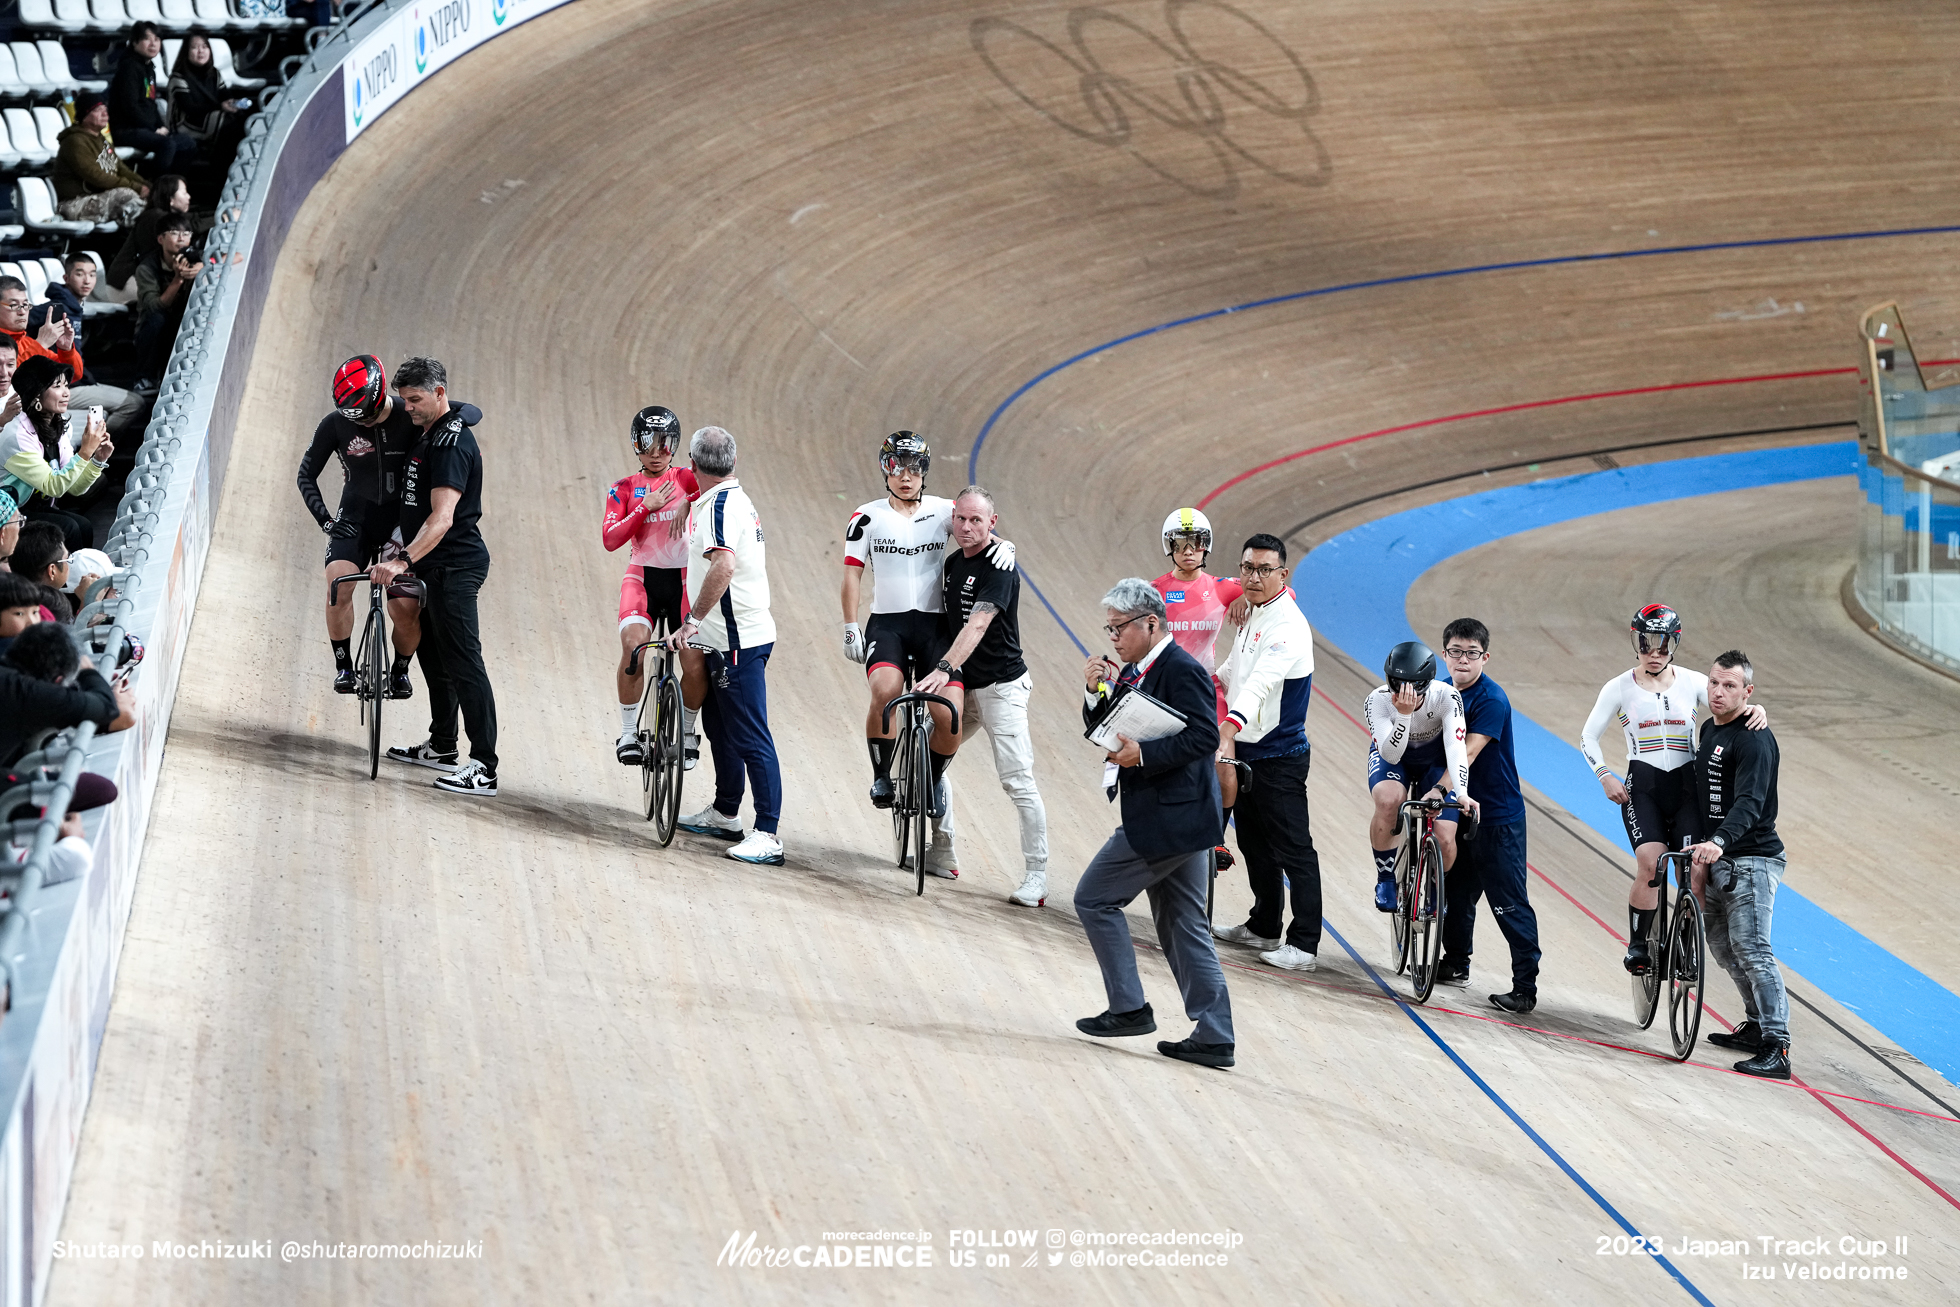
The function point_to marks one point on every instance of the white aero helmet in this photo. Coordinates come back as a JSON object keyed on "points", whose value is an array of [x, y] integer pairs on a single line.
{"points": [[1187, 522]]}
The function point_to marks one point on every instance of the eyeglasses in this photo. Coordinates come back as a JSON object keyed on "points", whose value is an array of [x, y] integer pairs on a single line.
{"points": [[1464, 655], [13, 305], [1113, 631], [1258, 573]]}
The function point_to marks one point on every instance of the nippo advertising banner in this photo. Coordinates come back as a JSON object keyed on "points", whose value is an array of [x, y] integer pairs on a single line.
{"points": [[417, 41]]}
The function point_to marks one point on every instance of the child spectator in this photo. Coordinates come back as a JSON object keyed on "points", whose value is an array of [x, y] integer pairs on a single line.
{"points": [[20, 607], [41, 560], [122, 408], [35, 698], [168, 194], [163, 289]]}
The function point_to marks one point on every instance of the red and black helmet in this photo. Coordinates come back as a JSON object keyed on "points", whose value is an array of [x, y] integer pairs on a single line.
{"points": [[1656, 629], [360, 388]]}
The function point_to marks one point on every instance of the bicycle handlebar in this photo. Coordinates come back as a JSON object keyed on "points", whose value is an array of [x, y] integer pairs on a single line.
{"points": [[1466, 829], [919, 696], [408, 579]]}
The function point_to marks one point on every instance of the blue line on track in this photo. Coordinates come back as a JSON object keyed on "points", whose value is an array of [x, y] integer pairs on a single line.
{"points": [[1409, 1010], [973, 459]]}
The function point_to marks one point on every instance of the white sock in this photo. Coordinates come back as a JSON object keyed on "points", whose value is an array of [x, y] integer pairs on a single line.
{"points": [[629, 717], [687, 719]]}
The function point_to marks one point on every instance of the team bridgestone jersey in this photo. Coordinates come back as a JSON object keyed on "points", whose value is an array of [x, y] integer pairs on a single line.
{"points": [[906, 555], [1659, 724], [1196, 611], [1439, 720], [653, 539]]}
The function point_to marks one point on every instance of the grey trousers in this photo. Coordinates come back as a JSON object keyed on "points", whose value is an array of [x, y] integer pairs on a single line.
{"points": [[1176, 886], [1736, 915]]}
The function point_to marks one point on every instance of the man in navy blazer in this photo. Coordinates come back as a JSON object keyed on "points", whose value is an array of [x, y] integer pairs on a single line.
{"points": [[1171, 822]]}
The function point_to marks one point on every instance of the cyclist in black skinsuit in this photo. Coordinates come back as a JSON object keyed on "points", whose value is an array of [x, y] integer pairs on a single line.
{"points": [[369, 432]]}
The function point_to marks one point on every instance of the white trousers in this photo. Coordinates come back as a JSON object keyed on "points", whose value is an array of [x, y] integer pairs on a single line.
{"points": [[1001, 710]]}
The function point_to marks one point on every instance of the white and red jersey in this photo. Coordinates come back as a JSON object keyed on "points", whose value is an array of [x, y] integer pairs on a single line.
{"points": [[649, 531], [1196, 610], [905, 554]]}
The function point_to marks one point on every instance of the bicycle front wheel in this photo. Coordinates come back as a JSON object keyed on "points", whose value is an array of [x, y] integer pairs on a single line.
{"points": [[902, 796], [922, 796], [665, 754], [1687, 967], [375, 674], [1426, 921], [645, 727]]}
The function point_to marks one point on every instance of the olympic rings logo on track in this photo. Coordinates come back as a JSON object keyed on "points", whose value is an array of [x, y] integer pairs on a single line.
{"points": [[1239, 118]]}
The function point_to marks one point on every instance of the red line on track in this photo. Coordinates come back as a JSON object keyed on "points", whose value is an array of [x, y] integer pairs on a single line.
{"points": [[1220, 489], [1822, 1096]]}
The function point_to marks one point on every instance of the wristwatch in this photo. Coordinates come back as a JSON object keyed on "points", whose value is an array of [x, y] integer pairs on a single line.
{"points": [[947, 667]]}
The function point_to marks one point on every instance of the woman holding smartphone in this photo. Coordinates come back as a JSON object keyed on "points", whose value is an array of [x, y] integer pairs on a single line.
{"points": [[38, 462]]}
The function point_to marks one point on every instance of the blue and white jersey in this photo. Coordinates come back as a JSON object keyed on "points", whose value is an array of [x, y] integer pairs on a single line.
{"points": [[1268, 680], [723, 520]]}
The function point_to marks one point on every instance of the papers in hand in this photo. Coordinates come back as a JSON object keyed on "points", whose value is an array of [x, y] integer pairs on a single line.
{"points": [[1136, 715]]}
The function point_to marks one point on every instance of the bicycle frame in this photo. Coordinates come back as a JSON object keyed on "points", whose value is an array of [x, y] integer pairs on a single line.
{"points": [[371, 674], [910, 808], [1416, 927]]}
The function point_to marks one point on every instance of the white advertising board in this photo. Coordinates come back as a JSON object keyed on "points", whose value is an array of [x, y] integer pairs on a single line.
{"points": [[415, 42]]}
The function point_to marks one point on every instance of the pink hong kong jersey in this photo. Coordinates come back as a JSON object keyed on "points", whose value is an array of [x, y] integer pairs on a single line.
{"points": [[650, 532], [1197, 611]]}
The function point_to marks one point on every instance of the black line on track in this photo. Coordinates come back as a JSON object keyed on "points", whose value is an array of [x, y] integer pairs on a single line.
{"points": [[1292, 531], [1551, 814]]}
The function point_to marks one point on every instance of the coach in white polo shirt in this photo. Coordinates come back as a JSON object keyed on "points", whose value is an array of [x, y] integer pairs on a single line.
{"points": [[728, 616]]}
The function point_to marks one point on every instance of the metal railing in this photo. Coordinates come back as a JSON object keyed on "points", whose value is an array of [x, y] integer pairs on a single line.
{"points": [[1907, 578]]}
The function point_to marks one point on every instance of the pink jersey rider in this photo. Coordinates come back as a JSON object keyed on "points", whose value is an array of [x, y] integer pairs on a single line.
{"points": [[650, 533]]}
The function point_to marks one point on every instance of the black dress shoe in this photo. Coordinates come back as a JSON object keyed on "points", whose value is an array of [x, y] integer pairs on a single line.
{"points": [[1112, 1024], [881, 791], [1190, 1050], [345, 682], [399, 686], [1639, 959], [1514, 1002], [1773, 1063], [1747, 1037]]}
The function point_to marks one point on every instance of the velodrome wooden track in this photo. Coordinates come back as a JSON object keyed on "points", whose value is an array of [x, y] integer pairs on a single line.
{"points": [[356, 1011]]}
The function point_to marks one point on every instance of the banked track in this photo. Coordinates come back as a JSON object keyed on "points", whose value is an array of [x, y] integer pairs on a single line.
{"points": [[518, 1023]]}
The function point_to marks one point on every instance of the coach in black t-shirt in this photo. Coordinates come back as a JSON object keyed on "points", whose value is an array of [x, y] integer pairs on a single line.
{"points": [[442, 499], [984, 669]]}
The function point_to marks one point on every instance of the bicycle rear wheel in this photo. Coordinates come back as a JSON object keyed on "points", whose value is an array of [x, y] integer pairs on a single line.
{"points": [[1426, 920], [375, 674], [922, 794], [1398, 921], [1647, 985], [1687, 969], [665, 750]]}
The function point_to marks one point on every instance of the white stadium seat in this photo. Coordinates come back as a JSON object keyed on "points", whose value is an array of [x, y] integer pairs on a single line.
{"points": [[34, 202], [45, 14], [178, 13], [27, 64], [54, 66], [167, 59], [10, 158], [112, 299], [52, 123], [10, 232], [11, 269], [221, 56], [36, 279], [25, 134], [73, 15], [10, 83], [107, 15], [214, 14], [141, 11]]}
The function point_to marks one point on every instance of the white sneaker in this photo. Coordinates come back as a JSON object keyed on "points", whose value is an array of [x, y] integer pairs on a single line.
{"points": [[472, 778], [760, 847], [424, 755], [941, 861], [1033, 892], [1288, 958], [1240, 935], [709, 822], [690, 751], [628, 750]]}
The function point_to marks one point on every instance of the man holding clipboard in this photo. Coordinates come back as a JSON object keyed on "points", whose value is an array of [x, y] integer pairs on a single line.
{"points": [[1168, 789]]}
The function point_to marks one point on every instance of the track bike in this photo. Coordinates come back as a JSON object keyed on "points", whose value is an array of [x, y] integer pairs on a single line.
{"points": [[371, 657], [912, 787], [662, 743], [1416, 927], [1677, 948]]}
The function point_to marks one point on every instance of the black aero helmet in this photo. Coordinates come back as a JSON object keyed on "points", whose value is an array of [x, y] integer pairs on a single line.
{"points": [[359, 388], [1412, 664], [656, 425], [1656, 629], [904, 449]]}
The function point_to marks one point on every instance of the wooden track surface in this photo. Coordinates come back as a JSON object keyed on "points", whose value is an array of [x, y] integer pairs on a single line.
{"points": [[354, 1010]]}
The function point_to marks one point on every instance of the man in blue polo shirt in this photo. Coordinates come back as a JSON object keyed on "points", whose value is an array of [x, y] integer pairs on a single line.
{"points": [[1492, 865]]}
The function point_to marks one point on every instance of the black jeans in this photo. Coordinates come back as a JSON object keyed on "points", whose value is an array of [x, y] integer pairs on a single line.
{"points": [[1273, 834], [77, 531], [1492, 867], [173, 150], [452, 662]]}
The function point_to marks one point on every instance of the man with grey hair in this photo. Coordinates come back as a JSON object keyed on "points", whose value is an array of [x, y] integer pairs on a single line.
{"points": [[985, 678], [1171, 822], [728, 586]]}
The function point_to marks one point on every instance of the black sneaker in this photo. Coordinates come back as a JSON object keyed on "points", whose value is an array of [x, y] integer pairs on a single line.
{"points": [[424, 755], [1516, 1003], [1190, 1050], [1639, 959], [1746, 1038], [1772, 1063], [345, 681], [881, 791], [472, 778], [1449, 975], [399, 686], [1112, 1024]]}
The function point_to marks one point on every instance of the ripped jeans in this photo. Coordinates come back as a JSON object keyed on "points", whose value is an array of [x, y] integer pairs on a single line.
{"points": [[1736, 912]]}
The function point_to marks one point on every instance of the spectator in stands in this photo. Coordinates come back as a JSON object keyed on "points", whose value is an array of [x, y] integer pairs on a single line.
{"points": [[163, 288], [121, 407], [168, 194], [133, 109], [202, 107], [41, 559], [20, 608], [55, 339], [72, 856], [34, 696], [91, 184], [37, 453], [10, 531]]}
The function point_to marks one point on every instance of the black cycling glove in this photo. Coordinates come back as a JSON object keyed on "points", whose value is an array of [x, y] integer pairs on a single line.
{"points": [[340, 528]]}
